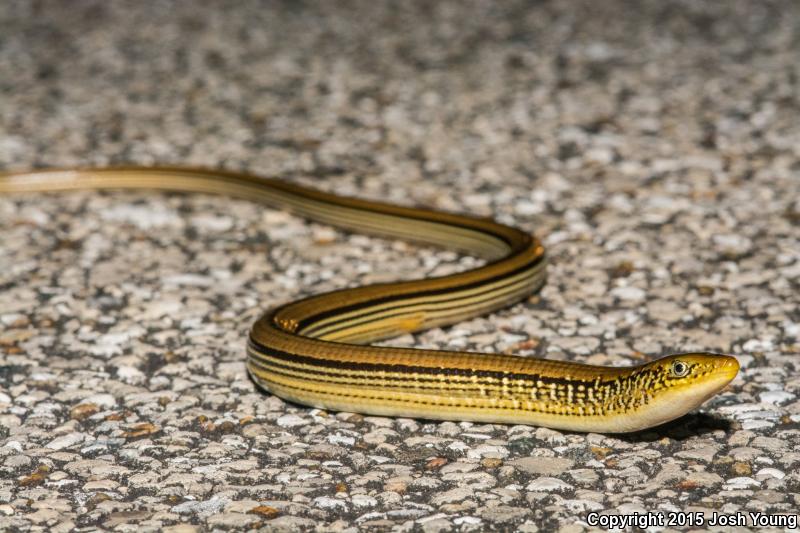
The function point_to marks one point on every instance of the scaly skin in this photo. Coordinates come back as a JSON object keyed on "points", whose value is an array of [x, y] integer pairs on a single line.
{"points": [[311, 351]]}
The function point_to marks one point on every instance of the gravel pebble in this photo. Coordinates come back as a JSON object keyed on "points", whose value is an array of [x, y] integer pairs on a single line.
{"points": [[66, 441], [548, 484]]}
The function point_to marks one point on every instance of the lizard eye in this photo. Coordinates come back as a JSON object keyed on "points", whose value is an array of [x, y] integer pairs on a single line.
{"points": [[679, 369]]}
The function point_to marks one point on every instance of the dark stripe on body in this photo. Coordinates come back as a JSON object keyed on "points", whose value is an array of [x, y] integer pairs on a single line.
{"points": [[350, 366], [398, 311], [308, 321], [415, 213]]}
